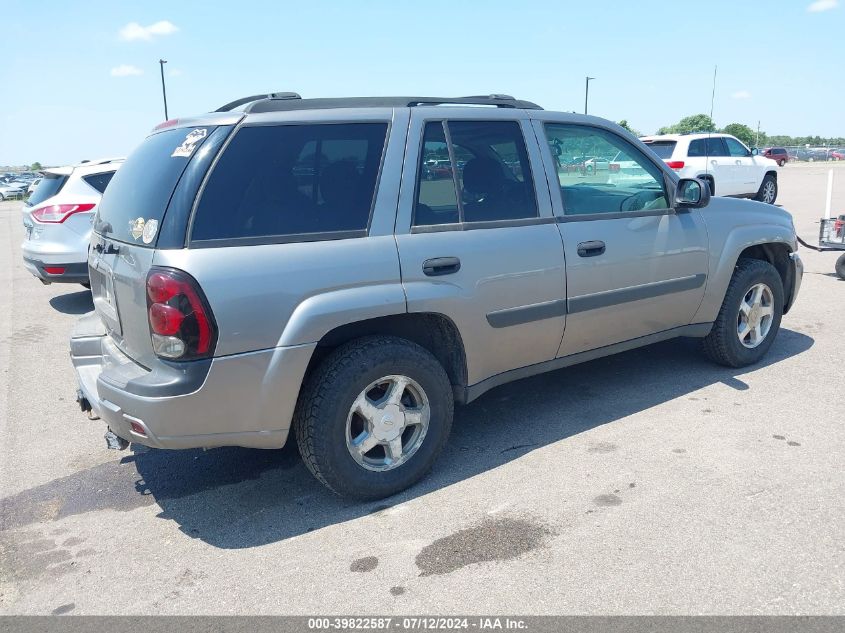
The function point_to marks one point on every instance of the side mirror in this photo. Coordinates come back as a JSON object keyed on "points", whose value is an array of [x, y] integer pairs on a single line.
{"points": [[692, 193], [754, 151]]}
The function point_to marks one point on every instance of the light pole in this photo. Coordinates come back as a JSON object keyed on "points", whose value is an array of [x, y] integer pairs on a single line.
{"points": [[161, 63], [587, 93]]}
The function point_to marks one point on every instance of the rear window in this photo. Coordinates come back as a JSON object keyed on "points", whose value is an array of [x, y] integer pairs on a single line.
{"points": [[273, 183], [49, 186], [99, 181], [663, 149], [137, 195]]}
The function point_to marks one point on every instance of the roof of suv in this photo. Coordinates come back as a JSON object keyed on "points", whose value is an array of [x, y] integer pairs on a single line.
{"points": [[678, 137], [100, 164]]}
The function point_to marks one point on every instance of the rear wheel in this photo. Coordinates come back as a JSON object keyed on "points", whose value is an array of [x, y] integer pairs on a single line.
{"points": [[781, 163], [768, 192], [374, 416], [750, 315], [840, 266]]}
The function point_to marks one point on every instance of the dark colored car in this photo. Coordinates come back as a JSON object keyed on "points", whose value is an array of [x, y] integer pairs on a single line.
{"points": [[777, 154]]}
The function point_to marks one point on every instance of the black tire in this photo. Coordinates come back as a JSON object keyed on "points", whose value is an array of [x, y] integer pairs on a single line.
{"points": [[840, 266], [324, 405], [86, 285], [710, 183], [781, 163], [769, 180], [722, 345]]}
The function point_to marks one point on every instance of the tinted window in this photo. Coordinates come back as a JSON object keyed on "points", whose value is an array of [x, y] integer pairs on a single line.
{"points": [[140, 190], [491, 170], [437, 202], [99, 181], [49, 186], [600, 172], [292, 179], [707, 147], [663, 149], [735, 147]]}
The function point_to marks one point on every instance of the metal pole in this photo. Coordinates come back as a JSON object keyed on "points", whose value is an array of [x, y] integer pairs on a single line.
{"points": [[829, 199], [757, 142], [161, 63], [587, 92]]}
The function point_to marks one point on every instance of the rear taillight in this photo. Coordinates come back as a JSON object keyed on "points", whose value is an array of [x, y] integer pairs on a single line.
{"points": [[675, 164], [57, 213], [181, 324]]}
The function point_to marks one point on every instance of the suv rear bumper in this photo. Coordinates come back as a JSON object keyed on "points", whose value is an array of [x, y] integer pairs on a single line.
{"points": [[71, 273], [240, 400]]}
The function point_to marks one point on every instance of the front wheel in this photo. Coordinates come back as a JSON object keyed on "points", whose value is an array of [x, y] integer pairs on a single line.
{"points": [[374, 416], [840, 266], [768, 192], [750, 315]]}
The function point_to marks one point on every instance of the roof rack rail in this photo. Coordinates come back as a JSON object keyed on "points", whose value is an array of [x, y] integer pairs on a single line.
{"points": [[498, 100], [290, 101], [273, 95]]}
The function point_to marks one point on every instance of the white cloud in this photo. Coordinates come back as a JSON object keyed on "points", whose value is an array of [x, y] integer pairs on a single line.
{"points": [[126, 70], [741, 94], [134, 31], [822, 5], [175, 72]]}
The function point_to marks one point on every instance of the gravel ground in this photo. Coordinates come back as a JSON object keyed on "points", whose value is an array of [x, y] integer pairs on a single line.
{"points": [[648, 483]]}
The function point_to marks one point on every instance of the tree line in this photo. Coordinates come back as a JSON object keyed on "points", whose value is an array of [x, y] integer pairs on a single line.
{"points": [[703, 123]]}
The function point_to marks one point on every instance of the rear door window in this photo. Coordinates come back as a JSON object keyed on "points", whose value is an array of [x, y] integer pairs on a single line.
{"points": [[482, 174], [49, 186], [707, 147], [287, 182], [140, 190], [99, 181]]}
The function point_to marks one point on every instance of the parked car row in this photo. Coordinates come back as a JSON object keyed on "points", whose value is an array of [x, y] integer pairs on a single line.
{"points": [[16, 186], [247, 292]]}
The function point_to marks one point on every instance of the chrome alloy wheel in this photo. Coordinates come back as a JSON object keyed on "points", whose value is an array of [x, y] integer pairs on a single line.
{"points": [[387, 423], [756, 313], [769, 192]]}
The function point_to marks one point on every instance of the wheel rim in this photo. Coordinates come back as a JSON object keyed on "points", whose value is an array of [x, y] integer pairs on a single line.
{"points": [[387, 423], [756, 314], [769, 192]]}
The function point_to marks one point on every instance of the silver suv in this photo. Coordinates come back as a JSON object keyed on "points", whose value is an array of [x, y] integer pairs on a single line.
{"points": [[349, 269]]}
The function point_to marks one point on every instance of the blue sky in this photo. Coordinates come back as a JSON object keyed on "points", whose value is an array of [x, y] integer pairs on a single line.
{"points": [[81, 79]]}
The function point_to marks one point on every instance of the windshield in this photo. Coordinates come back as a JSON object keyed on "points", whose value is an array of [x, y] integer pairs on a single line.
{"points": [[663, 149], [49, 186], [134, 203]]}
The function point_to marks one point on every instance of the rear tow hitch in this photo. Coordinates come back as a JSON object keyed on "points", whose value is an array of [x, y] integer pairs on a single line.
{"points": [[85, 405], [115, 442]]}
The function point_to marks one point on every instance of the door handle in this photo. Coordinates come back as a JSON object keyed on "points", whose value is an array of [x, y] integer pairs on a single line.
{"points": [[441, 266], [714, 162], [591, 249], [739, 162]]}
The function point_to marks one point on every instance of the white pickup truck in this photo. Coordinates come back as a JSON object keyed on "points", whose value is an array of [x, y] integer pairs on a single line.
{"points": [[723, 161]]}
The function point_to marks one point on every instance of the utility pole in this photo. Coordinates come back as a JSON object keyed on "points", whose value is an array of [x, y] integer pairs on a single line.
{"points": [[161, 63], [587, 93], [757, 142]]}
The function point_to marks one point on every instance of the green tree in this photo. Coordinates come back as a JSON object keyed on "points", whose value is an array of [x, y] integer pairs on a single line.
{"points": [[35, 166], [689, 124], [624, 124], [742, 132]]}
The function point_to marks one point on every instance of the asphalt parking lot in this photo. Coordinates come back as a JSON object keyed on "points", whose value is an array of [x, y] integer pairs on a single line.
{"points": [[647, 483]]}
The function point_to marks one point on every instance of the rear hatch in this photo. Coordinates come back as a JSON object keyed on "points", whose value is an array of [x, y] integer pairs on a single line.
{"points": [[144, 200]]}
